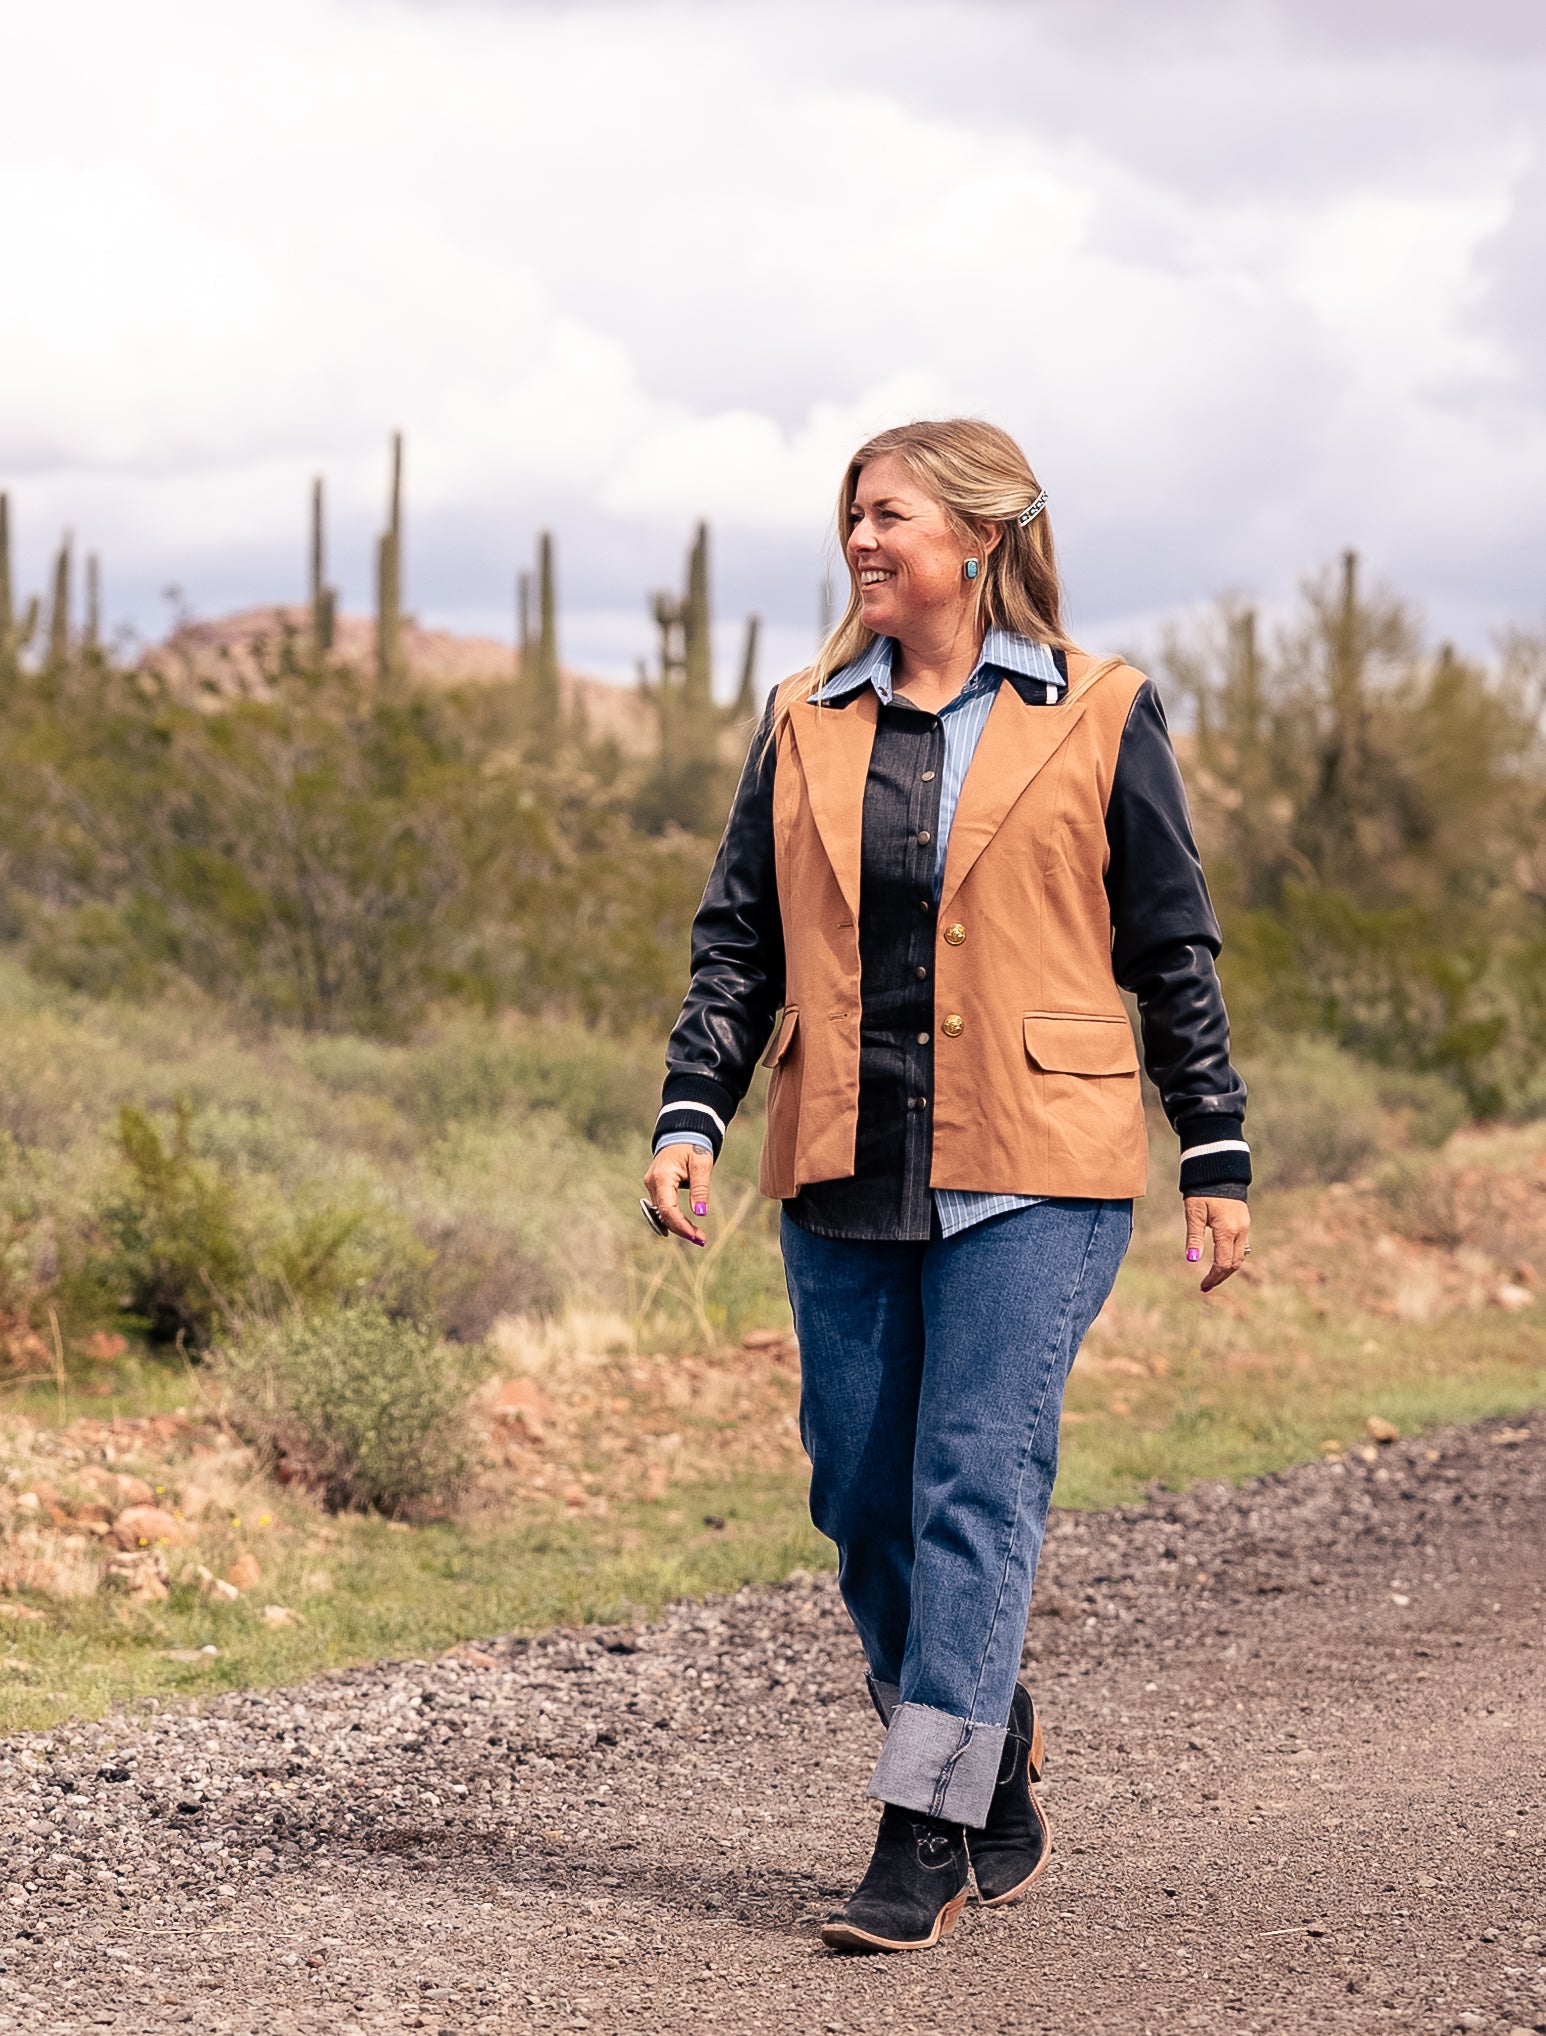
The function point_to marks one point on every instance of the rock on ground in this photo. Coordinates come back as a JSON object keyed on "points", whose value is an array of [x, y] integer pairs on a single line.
{"points": [[1297, 1738]]}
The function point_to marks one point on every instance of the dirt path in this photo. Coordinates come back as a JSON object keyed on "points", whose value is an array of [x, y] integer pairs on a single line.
{"points": [[1297, 1742]]}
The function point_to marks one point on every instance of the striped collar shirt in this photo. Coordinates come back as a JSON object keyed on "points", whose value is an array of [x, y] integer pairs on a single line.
{"points": [[962, 719]]}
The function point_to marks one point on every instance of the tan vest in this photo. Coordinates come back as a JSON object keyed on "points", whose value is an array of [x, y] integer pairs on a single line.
{"points": [[1036, 1088]]}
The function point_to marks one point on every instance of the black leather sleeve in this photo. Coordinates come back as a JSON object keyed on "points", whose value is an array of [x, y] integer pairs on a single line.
{"points": [[737, 981], [1165, 939]]}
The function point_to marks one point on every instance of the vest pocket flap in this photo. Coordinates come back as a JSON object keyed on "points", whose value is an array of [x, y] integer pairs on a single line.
{"points": [[1064, 1043], [782, 1037]]}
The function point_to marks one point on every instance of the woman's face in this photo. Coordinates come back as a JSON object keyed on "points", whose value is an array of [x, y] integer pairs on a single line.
{"points": [[908, 561]]}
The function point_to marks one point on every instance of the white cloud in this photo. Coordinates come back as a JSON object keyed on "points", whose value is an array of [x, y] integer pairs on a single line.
{"points": [[1248, 289]]}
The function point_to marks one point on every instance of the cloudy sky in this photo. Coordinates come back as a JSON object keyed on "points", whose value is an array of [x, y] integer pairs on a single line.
{"points": [[1250, 281]]}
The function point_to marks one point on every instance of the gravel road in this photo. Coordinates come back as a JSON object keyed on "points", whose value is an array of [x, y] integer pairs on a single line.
{"points": [[1297, 1778]]}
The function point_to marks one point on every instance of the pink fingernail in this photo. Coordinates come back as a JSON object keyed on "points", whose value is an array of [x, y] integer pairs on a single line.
{"points": [[1193, 1255], [700, 1208]]}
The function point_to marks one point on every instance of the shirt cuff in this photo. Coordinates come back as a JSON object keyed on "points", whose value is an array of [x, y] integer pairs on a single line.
{"points": [[1214, 1156], [693, 1103], [695, 1139]]}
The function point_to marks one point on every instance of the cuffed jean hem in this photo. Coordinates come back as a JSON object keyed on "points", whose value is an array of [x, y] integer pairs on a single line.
{"points": [[937, 1764]]}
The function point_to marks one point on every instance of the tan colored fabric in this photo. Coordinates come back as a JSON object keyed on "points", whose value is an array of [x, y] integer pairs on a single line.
{"points": [[1036, 1088]]}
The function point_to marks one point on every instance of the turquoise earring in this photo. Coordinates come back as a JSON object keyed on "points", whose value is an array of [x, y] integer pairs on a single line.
{"points": [[970, 569]]}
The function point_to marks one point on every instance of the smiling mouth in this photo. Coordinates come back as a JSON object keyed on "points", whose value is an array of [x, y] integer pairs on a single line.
{"points": [[874, 577]]}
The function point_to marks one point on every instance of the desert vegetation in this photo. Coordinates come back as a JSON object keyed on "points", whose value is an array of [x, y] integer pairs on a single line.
{"points": [[333, 1003]]}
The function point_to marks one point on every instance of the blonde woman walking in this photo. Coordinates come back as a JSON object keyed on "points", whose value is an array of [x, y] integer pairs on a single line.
{"points": [[957, 839]]}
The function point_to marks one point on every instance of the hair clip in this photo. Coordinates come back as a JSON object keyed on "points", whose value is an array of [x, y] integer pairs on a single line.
{"points": [[1031, 514]]}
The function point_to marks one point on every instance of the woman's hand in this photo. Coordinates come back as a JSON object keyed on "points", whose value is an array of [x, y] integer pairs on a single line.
{"points": [[1230, 1222], [669, 1169]]}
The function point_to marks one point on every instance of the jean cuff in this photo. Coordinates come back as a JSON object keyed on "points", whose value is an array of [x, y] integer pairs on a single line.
{"points": [[885, 1697], [938, 1765]]}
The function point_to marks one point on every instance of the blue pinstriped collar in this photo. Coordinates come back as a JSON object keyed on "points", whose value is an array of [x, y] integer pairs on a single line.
{"points": [[1003, 652]]}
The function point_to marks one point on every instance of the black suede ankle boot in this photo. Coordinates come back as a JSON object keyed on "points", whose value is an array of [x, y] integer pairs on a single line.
{"points": [[1016, 1842], [914, 1891]]}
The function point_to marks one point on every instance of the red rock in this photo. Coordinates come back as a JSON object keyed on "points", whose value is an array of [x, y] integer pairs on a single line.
{"points": [[522, 1396], [144, 1526], [246, 1572]]}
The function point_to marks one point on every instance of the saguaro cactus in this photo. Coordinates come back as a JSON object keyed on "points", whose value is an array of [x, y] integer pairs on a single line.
{"points": [[16, 631], [746, 693], [324, 600], [697, 647], [59, 612], [543, 704], [700, 719], [389, 578], [91, 639], [523, 622]]}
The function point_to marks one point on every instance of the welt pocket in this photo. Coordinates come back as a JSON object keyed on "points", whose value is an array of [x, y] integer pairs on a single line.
{"points": [[784, 1036], [1076, 1043]]}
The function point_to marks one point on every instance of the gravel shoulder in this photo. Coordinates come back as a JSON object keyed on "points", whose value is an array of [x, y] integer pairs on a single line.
{"points": [[1297, 1780]]}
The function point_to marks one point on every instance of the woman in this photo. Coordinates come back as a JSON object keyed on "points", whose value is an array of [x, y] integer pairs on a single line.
{"points": [[956, 840]]}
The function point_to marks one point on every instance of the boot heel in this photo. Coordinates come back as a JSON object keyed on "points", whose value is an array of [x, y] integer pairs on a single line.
{"points": [[1038, 1751], [950, 1915]]}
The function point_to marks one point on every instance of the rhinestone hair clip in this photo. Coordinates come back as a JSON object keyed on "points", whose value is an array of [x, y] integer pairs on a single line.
{"points": [[1031, 514]]}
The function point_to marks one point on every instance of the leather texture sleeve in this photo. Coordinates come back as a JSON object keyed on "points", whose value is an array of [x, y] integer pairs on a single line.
{"points": [[1165, 939], [737, 981]]}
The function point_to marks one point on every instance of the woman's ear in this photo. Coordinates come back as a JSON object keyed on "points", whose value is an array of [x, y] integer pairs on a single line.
{"points": [[988, 535]]}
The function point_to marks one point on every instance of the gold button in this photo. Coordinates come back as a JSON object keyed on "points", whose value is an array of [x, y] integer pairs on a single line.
{"points": [[953, 1026], [955, 933]]}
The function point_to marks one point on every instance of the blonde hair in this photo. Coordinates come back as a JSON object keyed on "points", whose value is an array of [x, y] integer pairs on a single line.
{"points": [[978, 476]]}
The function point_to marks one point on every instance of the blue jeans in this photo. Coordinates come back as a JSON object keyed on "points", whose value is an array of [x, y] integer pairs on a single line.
{"points": [[931, 1390]]}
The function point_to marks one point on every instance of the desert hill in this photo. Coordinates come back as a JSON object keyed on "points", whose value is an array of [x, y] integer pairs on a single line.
{"points": [[230, 655]]}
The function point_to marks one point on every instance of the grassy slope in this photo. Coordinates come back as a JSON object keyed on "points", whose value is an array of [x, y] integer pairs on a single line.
{"points": [[1341, 1317]]}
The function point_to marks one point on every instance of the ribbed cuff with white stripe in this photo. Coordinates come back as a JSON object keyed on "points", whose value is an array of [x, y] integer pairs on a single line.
{"points": [[694, 1103], [1214, 1154]]}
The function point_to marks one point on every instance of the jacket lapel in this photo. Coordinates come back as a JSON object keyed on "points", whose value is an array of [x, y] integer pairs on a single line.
{"points": [[835, 744], [1017, 741]]}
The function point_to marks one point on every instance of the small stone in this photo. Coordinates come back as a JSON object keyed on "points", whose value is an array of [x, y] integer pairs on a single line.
{"points": [[246, 1573], [1378, 1429], [212, 1586], [281, 1615]]}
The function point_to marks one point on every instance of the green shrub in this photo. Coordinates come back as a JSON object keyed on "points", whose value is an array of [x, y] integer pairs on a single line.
{"points": [[370, 1409], [1429, 1107], [178, 1254], [193, 1242], [1422, 1198], [1313, 1116]]}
